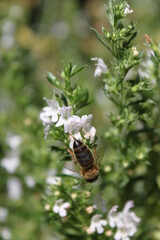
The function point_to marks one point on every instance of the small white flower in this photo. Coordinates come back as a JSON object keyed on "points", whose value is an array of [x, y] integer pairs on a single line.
{"points": [[30, 181], [60, 207], [8, 27], [113, 216], [5, 233], [44, 117], [89, 132], [3, 214], [10, 162], [65, 117], [7, 41], [135, 51], [122, 234], [50, 113], [126, 221], [127, 10], [73, 126], [53, 180], [97, 224], [86, 122], [101, 67], [13, 141], [14, 188]]}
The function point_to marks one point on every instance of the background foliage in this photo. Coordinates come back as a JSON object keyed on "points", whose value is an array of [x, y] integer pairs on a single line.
{"points": [[35, 37]]}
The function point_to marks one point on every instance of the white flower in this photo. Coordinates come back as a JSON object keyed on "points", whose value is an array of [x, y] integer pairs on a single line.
{"points": [[53, 180], [14, 188], [73, 126], [86, 122], [7, 41], [5, 233], [135, 51], [89, 132], [122, 233], [8, 27], [3, 214], [97, 224], [113, 216], [65, 117], [101, 67], [126, 221], [13, 141], [30, 181], [60, 207], [128, 10], [50, 113], [44, 117], [10, 162]]}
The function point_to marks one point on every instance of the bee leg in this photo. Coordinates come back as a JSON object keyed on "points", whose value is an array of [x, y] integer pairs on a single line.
{"points": [[70, 151], [72, 154]]}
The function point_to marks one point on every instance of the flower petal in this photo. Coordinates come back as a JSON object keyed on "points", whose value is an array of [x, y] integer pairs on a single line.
{"points": [[62, 212]]}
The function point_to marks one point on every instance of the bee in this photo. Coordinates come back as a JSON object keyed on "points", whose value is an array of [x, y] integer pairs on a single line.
{"points": [[83, 157]]}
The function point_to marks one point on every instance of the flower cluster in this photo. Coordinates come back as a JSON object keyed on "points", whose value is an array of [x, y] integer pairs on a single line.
{"points": [[73, 124], [125, 221]]}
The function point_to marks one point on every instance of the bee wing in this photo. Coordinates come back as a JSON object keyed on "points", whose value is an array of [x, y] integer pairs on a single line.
{"points": [[70, 168], [100, 151]]}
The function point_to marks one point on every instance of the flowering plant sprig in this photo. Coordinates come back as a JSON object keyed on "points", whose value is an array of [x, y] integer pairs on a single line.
{"points": [[132, 93], [59, 117]]}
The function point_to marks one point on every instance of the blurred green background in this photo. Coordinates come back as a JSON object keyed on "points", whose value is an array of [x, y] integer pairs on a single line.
{"points": [[36, 36]]}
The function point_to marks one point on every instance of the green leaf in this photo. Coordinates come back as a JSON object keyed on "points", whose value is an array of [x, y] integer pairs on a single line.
{"points": [[53, 80], [100, 38], [76, 69]]}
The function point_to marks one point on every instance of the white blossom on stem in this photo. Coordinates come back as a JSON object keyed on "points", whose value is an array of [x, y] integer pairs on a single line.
{"points": [[5, 233], [88, 130], [126, 221], [14, 188], [50, 113], [65, 116], [127, 10], [3, 214], [13, 141], [97, 224], [30, 181], [61, 208], [53, 180], [10, 162], [101, 67], [73, 127]]}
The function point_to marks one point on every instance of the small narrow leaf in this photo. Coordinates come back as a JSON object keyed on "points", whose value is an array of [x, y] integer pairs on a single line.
{"points": [[53, 80], [100, 38]]}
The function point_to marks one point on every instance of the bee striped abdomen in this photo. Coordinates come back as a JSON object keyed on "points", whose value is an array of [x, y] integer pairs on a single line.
{"points": [[83, 154]]}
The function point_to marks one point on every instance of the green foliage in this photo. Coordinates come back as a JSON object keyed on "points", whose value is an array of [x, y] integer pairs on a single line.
{"points": [[42, 191]]}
